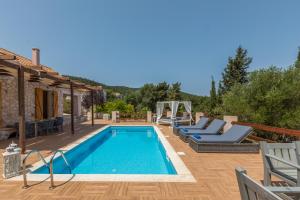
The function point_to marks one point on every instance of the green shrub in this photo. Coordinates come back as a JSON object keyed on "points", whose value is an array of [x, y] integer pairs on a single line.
{"points": [[271, 97]]}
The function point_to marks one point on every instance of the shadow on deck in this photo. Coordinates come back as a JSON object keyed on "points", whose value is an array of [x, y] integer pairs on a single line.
{"points": [[56, 140]]}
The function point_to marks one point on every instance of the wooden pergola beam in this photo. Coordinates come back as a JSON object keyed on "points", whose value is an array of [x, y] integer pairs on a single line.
{"points": [[10, 62], [21, 98], [48, 75], [92, 101], [84, 86], [15, 65], [72, 109], [7, 57]]}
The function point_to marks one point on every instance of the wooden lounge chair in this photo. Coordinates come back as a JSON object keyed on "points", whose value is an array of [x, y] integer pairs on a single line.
{"points": [[214, 128], [251, 190], [198, 126], [282, 161], [230, 141]]}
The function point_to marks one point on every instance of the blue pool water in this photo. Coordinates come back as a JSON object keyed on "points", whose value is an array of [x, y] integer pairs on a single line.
{"points": [[117, 150]]}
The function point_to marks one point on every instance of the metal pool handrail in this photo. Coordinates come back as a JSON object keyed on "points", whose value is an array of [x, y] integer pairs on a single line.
{"points": [[51, 165], [24, 165]]}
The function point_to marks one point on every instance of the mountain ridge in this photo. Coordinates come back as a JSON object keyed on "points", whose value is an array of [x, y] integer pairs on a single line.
{"points": [[117, 88]]}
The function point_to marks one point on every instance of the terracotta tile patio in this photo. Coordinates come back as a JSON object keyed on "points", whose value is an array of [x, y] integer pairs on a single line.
{"points": [[214, 173]]}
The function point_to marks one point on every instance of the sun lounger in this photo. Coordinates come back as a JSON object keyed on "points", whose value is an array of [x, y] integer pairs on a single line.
{"points": [[199, 125], [282, 161], [230, 141], [214, 128]]}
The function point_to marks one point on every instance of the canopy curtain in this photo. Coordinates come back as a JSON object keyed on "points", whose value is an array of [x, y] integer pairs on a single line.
{"points": [[159, 110], [174, 108], [188, 107]]}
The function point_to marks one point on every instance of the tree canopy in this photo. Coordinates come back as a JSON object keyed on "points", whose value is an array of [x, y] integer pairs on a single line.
{"points": [[271, 97], [149, 94], [174, 91], [236, 70], [268, 96]]}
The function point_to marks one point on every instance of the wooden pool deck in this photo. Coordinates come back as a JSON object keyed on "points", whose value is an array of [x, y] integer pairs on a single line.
{"points": [[214, 173]]}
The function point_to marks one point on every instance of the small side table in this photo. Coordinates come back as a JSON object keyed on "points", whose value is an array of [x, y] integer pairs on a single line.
{"points": [[11, 164]]}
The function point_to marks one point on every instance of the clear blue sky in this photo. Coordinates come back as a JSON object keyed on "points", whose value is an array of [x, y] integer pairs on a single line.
{"points": [[132, 42]]}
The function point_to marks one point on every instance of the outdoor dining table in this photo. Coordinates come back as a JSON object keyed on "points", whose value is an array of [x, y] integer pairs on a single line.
{"points": [[36, 125]]}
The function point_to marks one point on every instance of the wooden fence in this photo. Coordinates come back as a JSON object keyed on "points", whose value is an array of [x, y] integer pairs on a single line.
{"points": [[270, 129]]}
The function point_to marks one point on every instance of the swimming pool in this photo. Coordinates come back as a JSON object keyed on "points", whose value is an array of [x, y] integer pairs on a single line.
{"points": [[131, 153], [117, 150]]}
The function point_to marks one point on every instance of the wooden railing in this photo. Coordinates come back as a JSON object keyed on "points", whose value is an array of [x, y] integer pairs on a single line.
{"points": [[282, 131], [270, 129]]}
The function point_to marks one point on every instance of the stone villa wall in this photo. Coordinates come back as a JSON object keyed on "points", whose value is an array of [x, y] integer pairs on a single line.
{"points": [[9, 100], [9, 95]]}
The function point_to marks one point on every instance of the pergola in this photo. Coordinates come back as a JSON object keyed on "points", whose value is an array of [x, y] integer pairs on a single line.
{"points": [[174, 107], [16, 66]]}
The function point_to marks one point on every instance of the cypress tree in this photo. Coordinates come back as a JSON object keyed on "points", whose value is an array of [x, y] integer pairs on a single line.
{"points": [[213, 94], [219, 94], [297, 63], [236, 70]]}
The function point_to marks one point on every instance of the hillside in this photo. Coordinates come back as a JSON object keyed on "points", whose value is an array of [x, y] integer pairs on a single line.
{"points": [[120, 89], [124, 90]]}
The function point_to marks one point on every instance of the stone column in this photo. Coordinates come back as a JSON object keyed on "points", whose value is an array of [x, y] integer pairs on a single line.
{"points": [[89, 115], [229, 120], [198, 115], [115, 116], [149, 116]]}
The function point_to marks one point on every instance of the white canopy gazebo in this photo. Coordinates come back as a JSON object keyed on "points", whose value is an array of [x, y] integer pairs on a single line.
{"points": [[173, 119]]}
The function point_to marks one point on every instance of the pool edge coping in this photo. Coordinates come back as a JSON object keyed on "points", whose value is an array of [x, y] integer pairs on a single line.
{"points": [[183, 173]]}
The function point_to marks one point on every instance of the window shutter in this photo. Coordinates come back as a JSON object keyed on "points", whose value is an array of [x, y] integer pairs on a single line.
{"points": [[38, 104]]}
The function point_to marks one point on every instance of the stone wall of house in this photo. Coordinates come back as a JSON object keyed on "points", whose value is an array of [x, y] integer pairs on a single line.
{"points": [[9, 100], [9, 94]]}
